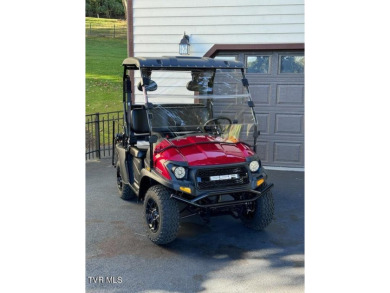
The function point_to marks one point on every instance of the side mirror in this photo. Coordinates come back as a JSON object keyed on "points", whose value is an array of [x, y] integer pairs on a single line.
{"points": [[149, 84], [192, 86], [200, 87]]}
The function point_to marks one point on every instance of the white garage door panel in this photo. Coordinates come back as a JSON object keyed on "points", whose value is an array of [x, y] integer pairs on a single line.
{"points": [[289, 124], [261, 93], [263, 151], [287, 152], [263, 121], [289, 94]]}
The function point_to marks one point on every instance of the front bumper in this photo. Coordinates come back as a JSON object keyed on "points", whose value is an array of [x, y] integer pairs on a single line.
{"points": [[196, 201], [191, 184]]}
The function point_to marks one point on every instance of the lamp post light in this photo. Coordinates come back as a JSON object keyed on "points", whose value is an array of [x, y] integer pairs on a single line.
{"points": [[184, 46]]}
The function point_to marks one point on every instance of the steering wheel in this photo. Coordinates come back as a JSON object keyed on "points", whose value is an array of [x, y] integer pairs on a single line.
{"points": [[217, 126]]}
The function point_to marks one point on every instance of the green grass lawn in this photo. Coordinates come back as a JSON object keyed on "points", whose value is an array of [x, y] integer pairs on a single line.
{"points": [[102, 21], [103, 27], [103, 74]]}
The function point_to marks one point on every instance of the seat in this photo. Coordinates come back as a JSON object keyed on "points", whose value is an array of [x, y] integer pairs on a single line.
{"points": [[139, 125], [139, 121]]}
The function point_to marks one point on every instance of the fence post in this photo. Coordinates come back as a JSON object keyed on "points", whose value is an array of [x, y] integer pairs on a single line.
{"points": [[89, 140], [97, 135], [90, 29], [113, 142]]}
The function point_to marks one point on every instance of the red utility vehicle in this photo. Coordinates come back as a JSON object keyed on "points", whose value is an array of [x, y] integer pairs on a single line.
{"points": [[189, 144]]}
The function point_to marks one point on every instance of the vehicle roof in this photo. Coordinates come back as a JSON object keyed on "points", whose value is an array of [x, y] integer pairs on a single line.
{"points": [[179, 63]]}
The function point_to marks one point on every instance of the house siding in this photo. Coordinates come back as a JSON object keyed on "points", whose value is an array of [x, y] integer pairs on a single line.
{"points": [[159, 25]]}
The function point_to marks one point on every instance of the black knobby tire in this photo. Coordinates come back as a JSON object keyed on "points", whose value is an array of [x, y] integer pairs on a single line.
{"points": [[161, 215], [262, 215], [124, 190]]}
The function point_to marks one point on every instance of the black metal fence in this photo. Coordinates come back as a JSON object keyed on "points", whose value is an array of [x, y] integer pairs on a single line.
{"points": [[100, 130], [106, 30]]}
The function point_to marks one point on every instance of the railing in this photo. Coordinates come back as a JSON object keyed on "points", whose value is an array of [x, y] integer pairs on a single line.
{"points": [[100, 130]]}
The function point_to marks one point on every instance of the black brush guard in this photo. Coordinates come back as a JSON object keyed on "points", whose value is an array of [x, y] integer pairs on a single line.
{"points": [[194, 202]]}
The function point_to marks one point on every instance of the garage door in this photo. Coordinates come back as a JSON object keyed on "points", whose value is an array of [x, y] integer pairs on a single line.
{"points": [[277, 86]]}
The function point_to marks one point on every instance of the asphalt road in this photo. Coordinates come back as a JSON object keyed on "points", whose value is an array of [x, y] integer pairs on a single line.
{"points": [[222, 256]]}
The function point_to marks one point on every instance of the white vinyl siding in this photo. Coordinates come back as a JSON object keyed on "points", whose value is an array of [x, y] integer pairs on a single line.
{"points": [[238, 20], [159, 25], [211, 3]]}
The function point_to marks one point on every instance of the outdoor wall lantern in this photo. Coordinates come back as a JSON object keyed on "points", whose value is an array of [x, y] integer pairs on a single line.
{"points": [[184, 46]]}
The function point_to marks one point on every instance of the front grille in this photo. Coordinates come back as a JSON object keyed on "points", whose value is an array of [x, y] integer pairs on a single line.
{"points": [[204, 177]]}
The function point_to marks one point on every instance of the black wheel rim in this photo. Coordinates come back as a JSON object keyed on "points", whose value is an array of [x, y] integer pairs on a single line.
{"points": [[152, 215], [118, 178]]}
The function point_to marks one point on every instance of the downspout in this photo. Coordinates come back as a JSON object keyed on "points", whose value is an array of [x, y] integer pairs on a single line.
{"points": [[130, 41]]}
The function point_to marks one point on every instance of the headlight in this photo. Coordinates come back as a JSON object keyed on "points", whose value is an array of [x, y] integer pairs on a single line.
{"points": [[179, 172], [254, 166]]}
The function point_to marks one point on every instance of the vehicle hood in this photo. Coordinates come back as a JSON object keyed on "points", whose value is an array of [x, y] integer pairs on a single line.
{"points": [[203, 150]]}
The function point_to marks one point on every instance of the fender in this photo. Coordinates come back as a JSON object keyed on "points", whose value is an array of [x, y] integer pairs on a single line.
{"points": [[149, 178], [126, 166]]}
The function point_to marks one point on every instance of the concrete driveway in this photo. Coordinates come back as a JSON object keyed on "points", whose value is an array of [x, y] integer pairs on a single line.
{"points": [[222, 256]]}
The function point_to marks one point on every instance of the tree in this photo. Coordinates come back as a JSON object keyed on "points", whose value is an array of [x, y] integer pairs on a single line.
{"points": [[107, 8], [124, 3], [92, 7]]}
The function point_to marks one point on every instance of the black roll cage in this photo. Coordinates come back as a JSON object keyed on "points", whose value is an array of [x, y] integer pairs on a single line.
{"points": [[174, 64]]}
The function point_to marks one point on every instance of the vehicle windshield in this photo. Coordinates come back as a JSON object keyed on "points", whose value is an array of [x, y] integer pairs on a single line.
{"points": [[212, 102]]}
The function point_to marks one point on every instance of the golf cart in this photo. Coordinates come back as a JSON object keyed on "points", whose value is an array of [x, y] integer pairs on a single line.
{"points": [[189, 144]]}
